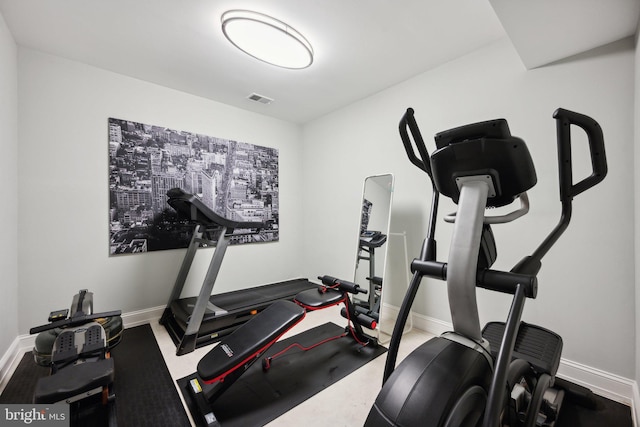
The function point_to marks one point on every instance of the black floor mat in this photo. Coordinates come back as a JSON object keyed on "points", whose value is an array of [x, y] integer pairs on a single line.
{"points": [[145, 394], [20, 387], [605, 413], [258, 397]]}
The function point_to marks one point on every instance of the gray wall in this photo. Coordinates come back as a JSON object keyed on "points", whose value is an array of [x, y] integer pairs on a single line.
{"points": [[636, 182], [8, 177], [587, 281]]}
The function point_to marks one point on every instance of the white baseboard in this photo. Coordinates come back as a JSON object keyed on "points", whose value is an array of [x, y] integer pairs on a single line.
{"points": [[9, 362], [603, 383], [141, 317], [431, 325]]}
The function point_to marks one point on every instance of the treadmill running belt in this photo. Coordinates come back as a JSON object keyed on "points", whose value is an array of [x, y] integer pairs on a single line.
{"points": [[240, 306], [245, 299], [267, 293]]}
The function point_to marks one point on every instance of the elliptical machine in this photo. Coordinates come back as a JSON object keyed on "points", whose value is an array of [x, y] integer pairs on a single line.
{"points": [[499, 375]]}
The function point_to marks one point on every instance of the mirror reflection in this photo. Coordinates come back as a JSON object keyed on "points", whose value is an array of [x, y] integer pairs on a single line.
{"points": [[372, 242]]}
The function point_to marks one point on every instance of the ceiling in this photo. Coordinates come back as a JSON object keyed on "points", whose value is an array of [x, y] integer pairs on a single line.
{"points": [[361, 46]]}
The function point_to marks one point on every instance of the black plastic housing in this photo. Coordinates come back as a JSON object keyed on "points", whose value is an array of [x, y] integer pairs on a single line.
{"points": [[485, 148], [429, 383]]}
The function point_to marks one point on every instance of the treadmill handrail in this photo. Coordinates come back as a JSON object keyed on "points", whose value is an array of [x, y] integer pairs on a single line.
{"points": [[196, 206]]}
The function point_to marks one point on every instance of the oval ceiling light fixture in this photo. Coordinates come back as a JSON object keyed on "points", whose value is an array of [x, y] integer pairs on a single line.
{"points": [[267, 39]]}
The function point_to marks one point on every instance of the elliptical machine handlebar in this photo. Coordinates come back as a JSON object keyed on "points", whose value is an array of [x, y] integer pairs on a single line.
{"points": [[429, 246], [493, 280], [568, 190], [564, 120], [408, 121]]}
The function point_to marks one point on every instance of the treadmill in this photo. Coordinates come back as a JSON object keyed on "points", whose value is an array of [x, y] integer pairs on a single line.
{"points": [[197, 321]]}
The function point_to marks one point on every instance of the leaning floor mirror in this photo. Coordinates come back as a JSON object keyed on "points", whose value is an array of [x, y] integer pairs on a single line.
{"points": [[372, 243]]}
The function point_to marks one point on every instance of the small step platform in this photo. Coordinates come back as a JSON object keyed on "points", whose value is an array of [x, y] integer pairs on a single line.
{"points": [[540, 347]]}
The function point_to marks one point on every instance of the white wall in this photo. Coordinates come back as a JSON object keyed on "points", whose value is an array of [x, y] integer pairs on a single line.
{"points": [[63, 190], [587, 281], [9, 177]]}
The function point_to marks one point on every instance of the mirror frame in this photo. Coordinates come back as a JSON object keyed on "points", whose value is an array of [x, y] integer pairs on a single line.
{"points": [[380, 251]]}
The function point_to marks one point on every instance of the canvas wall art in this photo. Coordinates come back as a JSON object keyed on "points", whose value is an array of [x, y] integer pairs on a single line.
{"points": [[237, 180]]}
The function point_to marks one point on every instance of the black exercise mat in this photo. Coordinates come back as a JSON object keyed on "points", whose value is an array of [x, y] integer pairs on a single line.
{"points": [[258, 397], [605, 413], [20, 387], [144, 388], [146, 395]]}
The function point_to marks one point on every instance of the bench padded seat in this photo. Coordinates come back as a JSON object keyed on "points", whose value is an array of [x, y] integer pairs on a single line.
{"points": [[250, 339], [314, 299]]}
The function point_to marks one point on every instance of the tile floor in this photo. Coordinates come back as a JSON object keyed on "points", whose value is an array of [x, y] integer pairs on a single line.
{"points": [[346, 403]]}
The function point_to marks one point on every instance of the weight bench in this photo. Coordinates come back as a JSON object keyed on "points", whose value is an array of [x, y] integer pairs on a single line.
{"points": [[226, 362], [231, 358]]}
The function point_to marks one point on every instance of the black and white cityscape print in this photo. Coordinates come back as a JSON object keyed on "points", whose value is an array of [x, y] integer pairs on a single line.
{"points": [[235, 179]]}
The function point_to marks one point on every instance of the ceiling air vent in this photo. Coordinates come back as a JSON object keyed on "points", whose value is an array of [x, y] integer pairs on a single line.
{"points": [[259, 98]]}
